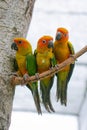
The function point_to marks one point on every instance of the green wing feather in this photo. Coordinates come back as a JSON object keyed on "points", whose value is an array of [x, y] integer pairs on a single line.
{"points": [[71, 48], [45, 87], [53, 61], [31, 65]]}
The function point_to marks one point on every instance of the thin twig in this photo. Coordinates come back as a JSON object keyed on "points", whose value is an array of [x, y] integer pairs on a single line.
{"points": [[57, 68]]}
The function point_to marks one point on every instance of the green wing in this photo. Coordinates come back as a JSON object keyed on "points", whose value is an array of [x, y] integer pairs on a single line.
{"points": [[53, 61], [31, 65], [71, 48]]}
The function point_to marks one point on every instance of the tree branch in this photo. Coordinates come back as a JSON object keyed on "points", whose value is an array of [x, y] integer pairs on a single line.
{"points": [[51, 71]]}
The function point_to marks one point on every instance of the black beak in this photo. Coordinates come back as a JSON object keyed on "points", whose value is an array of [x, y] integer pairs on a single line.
{"points": [[14, 46], [50, 44], [58, 36]]}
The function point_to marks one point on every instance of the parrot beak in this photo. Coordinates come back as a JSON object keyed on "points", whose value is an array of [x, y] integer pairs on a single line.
{"points": [[58, 36], [14, 46], [50, 44]]}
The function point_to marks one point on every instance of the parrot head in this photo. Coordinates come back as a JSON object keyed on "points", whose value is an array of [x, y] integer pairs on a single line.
{"points": [[62, 35], [22, 46], [45, 43]]}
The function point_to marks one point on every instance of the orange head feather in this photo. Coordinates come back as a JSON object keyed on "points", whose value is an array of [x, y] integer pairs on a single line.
{"points": [[22, 46], [62, 34], [22, 42], [45, 43]]}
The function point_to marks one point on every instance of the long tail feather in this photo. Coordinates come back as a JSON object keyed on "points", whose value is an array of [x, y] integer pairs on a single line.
{"points": [[37, 101], [61, 92], [35, 94], [45, 91]]}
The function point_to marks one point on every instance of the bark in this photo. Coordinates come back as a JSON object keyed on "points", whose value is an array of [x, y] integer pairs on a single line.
{"points": [[15, 17]]}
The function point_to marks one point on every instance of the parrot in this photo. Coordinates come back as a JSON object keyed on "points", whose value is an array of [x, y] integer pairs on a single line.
{"points": [[45, 60], [27, 66], [63, 49]]}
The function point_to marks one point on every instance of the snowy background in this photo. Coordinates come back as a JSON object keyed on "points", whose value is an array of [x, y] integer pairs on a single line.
{"points": [[48, 15]]}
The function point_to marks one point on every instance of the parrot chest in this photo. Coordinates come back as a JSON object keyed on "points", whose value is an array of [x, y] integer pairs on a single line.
{"points": [[43, 62], [21, 60], [61, 53]]}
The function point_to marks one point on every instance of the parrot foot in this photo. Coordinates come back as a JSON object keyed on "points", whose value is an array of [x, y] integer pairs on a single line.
{"points": [[37, 76], [51, 69], [72, 56], [56, 66], [25, 79]]}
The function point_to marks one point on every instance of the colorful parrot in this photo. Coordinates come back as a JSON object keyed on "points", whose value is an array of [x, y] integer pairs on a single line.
{"points": [[45, 60], [63, 49], [27, 66]]}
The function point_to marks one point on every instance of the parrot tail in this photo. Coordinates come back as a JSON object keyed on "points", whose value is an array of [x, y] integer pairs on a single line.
{"points": [[47, 103], [34, 89], [61, 92], [63, 98], [45, 91]]}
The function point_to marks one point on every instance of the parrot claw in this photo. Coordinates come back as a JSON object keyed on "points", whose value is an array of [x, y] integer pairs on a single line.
{"points": [[25, 79], [73, 57], [57, 66], [37, 76], [51, 68]]}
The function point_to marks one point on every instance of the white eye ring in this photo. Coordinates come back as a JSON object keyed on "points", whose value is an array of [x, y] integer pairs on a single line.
{"points": [[44, 41]]}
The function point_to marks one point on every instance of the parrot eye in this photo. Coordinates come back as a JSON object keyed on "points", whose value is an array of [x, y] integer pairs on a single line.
{"points": [[44, 41], [65, 35], [20, 42]]}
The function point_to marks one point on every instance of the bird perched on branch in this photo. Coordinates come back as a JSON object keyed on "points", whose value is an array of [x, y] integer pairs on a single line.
{"points": [[45, 60], [63, 49], [27, 66]]}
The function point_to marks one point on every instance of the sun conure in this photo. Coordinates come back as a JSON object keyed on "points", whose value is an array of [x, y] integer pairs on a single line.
{"points": [[45, 60], [27, 65], [63, 49]]}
